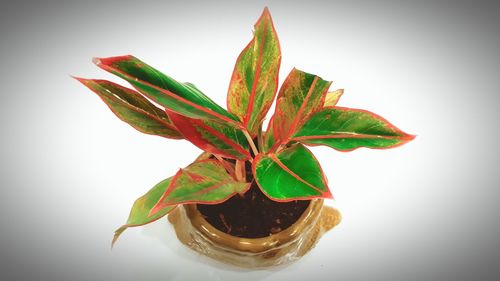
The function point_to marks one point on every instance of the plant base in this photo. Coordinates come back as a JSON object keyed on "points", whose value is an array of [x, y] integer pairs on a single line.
{"points": [[280, 248]]}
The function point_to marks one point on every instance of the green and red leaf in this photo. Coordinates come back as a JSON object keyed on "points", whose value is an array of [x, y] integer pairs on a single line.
{"points": [[268, 139], [139, 215], [217, 138], [332, 98], [255, 76], [205, 182], [182, 98], [290, 174], [301, 95], [132, 108], [346, 129]]}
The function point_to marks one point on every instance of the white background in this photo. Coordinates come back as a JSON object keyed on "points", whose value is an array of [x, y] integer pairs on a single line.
{"points": [[71, 170]]}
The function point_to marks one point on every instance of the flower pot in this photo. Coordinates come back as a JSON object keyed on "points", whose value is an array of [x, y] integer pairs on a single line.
{"points": [[288, 245]]}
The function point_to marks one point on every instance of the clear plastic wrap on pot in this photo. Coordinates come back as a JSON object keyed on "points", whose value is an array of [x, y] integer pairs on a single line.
{"points": [[283, 247]]}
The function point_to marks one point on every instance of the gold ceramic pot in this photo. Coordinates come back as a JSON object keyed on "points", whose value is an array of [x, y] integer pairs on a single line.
{"points": [[283, 247]]}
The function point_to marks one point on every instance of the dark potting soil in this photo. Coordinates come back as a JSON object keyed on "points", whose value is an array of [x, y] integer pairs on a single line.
{"points": [[253, 215]]}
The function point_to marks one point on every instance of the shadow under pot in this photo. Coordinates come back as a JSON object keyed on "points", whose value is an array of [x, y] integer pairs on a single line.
{"points": [[285, 246]]}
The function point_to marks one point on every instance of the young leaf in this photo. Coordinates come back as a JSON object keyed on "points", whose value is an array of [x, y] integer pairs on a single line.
{"points": [[205, 182], [291, 174], [132, 108], [182, 98], [332, 98], [301, 95], [142, 206], [214, 137], [255, 76], [346, 129]]}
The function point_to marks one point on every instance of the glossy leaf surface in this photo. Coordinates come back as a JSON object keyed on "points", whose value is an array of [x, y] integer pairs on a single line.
{"points": [[332, 98], [301, 95], [182, 98], [132, 108], [217, 138], [255, 76], [204, 182], [346, 129], [139, 215], [291, 174]]}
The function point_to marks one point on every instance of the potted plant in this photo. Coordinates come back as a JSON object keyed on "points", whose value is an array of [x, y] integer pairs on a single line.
{"points": [[254, 197]]}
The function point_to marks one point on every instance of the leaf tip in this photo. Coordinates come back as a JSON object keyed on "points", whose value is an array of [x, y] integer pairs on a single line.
{"points": [[118, 232], [405, 137], [86, 82], [409, 137], [266, 11], [79, 79], [328, 194], [97, 61], [115, 238], [265, 16], [109, 61], [340, 92]]}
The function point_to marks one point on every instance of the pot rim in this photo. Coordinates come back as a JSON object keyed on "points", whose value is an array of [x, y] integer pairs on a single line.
{"points": [[256, 245]]}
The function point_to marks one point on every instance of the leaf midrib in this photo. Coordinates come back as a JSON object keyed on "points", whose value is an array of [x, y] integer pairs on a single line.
{"points": [[293, 127], [275, 159], [340, 135], [251, 99], [172, 95]]}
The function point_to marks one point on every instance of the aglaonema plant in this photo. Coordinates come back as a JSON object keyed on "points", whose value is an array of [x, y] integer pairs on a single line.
{"points": [[306, 114]]}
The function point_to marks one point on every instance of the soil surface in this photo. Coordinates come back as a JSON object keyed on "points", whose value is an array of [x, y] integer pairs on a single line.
{"points": [[253, 215]]}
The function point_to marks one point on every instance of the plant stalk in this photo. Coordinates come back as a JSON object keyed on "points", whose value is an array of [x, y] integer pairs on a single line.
{"points": [[260, 139], [225, 164], [280, 147], [250, 141], [239, 171]]}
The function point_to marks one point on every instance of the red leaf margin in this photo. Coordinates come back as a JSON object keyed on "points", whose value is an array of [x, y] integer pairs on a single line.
{"points": [[326, 195], [170, 188], [185, 126], [266, 15], [405, 138], [105, 64], [87, 82], [297, 119]]}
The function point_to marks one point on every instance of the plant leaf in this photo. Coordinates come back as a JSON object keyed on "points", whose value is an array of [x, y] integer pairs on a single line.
{"points": [[217, 138], [291, 174], [301, 95], [205, 182], [255, 76], [332, 98], [182, 98], [142, 206], [132, 108], [346, 129], [268, 137]]}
